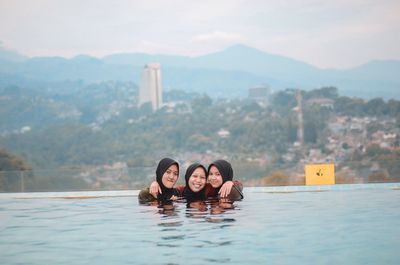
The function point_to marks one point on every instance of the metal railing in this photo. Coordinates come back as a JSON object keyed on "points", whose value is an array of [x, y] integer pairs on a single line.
{"points": [[76, 179], [251, 174]]}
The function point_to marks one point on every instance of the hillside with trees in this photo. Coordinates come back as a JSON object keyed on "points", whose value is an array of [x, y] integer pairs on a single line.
{"points": [[102, 125]]}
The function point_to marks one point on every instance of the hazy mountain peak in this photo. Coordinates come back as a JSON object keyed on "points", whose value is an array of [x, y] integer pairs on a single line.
{"points": [[86, 58], [241, 48], [237, 50], [83, 57], [233, 69]]}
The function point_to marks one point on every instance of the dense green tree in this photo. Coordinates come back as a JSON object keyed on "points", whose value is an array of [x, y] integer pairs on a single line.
{"points": [[200, 103], [376, 107], [350, 106], [12, 162], [393, 107], [284, 101], [324, 92], [12, 167]]}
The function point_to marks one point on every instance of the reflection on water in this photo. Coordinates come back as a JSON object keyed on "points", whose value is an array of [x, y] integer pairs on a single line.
{"points": [[170, 224], [209, 211], [168, 213], [167, 209], [219, 220], [182, 224], [226, 260], [200, 206], [179, 237], [196, 209]]}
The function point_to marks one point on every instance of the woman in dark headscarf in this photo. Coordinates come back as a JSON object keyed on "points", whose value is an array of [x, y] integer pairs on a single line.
{"points": [[220, 181], [196, 178], [167, 174]]}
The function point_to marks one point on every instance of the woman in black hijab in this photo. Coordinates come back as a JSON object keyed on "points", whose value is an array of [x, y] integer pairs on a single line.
{"points": [[220, 178], [167, 174], [196, 178]]}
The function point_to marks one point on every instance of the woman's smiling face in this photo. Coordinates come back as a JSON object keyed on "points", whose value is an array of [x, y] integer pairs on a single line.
{"points": [[197, 180], [214, 177]]}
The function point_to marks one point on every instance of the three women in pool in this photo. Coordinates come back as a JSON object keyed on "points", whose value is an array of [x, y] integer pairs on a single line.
{"points": [[220, 183]]}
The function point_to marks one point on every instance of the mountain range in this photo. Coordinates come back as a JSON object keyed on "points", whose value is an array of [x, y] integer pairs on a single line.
{"points": [[227, 73]]}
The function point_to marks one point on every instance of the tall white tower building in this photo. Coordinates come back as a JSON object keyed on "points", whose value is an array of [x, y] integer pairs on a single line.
{"points": [[150, 89]]}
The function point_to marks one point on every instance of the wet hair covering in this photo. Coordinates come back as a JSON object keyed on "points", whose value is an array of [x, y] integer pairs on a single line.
{"points": [[187, 192], [224, 168], [163, 165]]}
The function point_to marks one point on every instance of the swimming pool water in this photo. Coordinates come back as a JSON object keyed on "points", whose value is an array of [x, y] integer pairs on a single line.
{"points": [[359, 226]]}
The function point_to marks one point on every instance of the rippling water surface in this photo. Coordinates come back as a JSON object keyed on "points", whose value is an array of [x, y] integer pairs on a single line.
{"points": [[331, 227]]}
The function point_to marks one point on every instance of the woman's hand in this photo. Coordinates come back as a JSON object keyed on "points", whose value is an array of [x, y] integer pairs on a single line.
{"points": [[225, 190], [155, 189]]}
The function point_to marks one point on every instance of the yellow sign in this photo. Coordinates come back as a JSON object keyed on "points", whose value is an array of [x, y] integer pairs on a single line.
{"points": [[320, 174]]}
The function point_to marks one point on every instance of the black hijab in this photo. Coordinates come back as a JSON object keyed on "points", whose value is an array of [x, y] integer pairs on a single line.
{"points": [[224, 168], [163, 165], [187, 192]]}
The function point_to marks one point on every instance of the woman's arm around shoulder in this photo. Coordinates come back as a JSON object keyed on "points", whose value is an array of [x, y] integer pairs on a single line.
{"points": [[237, 191]]}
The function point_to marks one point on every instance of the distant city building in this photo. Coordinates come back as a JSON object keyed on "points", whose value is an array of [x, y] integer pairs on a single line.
{"points": [[223, 133], [259, 92], [150, 90]]}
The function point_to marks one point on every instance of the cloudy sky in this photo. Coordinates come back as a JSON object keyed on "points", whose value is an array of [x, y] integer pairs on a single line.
{"points": [[325, 33]]}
